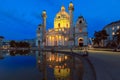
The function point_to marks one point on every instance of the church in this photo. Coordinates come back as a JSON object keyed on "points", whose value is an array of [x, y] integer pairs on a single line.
{"points": [[64, 33]]}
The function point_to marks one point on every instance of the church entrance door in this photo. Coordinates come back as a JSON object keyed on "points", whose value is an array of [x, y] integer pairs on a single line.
{"points": [[39, 43], [80, 42]]}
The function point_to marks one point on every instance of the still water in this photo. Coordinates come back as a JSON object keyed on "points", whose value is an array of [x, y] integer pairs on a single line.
{"points": [[37, 65]]}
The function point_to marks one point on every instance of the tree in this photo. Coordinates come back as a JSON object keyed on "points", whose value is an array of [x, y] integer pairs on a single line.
{"points": [[12, 43], [97, 38], [103, 36], [19, 44], [100, 36], [1, 39]]}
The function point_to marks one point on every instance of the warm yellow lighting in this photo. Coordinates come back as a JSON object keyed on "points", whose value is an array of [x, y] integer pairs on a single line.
{"points": [[44, 14], [52, 38], [59, 37], [113, 33], [59, 29], [62, 19], [80, 30], [59, 67], [50, 59], [62, 8], [57, 60], [65, 64], [66, 57], [56, 66], [60, 59], [63, 73], [63, 29], [71, 4], [66, 39], [63, 67], [53, 57], [56, 29]]}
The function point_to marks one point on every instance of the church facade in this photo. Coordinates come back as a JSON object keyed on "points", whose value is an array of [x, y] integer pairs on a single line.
{"points": [[64, 33]]}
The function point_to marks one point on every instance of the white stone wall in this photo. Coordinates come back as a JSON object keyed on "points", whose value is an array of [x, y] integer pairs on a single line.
{"points": [[81, 31]]}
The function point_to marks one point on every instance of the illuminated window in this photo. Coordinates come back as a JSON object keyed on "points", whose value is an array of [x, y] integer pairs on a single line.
{"points": [[113, 33], [80, 30], [67, 25], [58, 25], [80, 39], [113, 28], [118, 27], [58, 16], [59, 29], [59, 37], [80, 21], [65, 39], [117, 32], [63, 29]]}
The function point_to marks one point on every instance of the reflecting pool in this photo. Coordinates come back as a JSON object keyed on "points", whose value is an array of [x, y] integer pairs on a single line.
{"points": [[37, 65]]}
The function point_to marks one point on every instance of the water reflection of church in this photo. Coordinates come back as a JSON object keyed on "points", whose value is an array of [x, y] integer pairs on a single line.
{"points": [[64, 33], [63, 66]]}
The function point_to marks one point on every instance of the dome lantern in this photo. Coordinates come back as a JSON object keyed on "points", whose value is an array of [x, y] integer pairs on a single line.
{"points": [[44, 13], [62, 8], [71, 6]]}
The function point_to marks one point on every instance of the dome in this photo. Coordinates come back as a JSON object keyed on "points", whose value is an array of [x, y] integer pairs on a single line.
{"points": [[62, 13]]}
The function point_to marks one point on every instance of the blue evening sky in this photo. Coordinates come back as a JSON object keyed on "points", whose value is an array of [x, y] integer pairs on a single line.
{"points": [[19, 19]]}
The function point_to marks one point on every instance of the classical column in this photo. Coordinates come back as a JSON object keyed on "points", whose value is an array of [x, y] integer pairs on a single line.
{"points": [[44, 16], [50, 40], [71, 9]]}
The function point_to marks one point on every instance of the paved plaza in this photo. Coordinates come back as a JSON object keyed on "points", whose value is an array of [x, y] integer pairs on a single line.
{"points": [[106, 63]]}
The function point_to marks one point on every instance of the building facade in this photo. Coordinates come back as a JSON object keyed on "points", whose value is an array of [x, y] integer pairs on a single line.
{"points": [[64, 33], [1, 41], [111, 30]]}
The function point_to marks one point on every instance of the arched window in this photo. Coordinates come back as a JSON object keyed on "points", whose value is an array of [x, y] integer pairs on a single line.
{"points": [[58, 16], [58, 25], [80, 21], [80, 42], [80, 39], [67, 25], [80, 30]]}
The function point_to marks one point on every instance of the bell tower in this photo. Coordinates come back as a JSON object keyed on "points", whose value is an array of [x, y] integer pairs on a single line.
{"points": [[81, 30], [39, 36]]}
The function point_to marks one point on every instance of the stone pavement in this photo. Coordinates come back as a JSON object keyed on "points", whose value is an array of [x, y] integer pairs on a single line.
{"points": [[106, 64]]}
